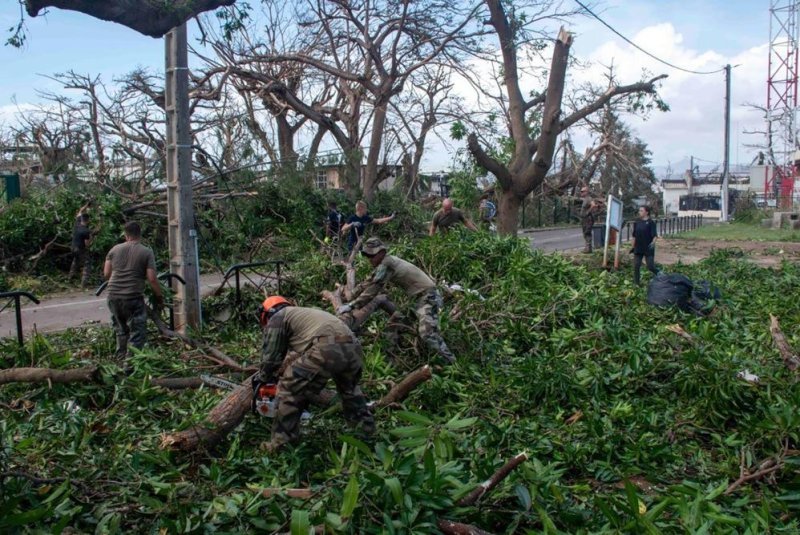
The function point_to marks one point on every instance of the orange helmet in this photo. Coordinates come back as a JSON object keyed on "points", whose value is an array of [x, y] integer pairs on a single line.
{"points": [[268, 307]]}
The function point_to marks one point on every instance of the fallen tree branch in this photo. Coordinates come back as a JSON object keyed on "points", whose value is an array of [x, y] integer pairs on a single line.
{"points": [[211, 352], [220, 421], [303, 494], [456, 528], [765, 467], [402, 389], [229, 412], [677, 329], [39, 375], [791, 360], [492, 482]]}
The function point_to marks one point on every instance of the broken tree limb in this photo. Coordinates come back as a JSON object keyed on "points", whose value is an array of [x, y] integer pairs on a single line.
{"points": [[791, 360], [220, 421], [231, 411], [456, 528], [303, 494], [492, 482], [402, 389], [39, 375]]}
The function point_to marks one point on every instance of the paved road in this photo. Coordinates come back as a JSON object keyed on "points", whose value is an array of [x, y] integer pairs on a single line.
{"points": [[71, 310], [558, 239]]}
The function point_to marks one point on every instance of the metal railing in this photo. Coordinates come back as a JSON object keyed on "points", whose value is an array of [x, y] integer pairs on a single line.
{"points": [[667, 225], [16, 295], [163, 277], [239, 271]]}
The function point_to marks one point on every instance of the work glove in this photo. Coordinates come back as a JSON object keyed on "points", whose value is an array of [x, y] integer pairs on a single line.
{"points": [[344, 309]]}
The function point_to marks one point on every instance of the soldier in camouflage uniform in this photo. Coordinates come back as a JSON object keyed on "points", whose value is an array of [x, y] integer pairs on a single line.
{"points": [[328, 350], [588, 209], [416, 283]]}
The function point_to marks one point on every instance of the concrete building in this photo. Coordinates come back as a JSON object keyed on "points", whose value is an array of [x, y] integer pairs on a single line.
{"points": [[700, 193]]}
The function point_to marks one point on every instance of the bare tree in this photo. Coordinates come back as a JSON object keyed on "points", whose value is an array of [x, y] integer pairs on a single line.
{"points": [[534, 123]]}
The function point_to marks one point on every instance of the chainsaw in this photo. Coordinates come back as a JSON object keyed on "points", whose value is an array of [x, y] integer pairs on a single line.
{"points": [[265, 403]]}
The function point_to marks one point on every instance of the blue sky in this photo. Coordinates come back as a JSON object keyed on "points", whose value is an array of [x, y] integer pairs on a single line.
{"points": [[700, 34]]}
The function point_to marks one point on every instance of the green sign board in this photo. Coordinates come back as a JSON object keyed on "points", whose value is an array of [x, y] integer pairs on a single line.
{"points": [[11, 186]]}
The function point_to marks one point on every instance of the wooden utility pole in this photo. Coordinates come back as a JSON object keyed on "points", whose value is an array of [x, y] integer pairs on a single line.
{"points": [[180, 211]]}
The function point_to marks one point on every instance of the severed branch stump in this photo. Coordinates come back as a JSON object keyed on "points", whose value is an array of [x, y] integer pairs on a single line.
{"points": [[86, 374]]}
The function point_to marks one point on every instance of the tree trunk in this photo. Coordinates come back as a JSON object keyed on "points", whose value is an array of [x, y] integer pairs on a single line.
{"points": [[508, 213], [376, 139], [41, 375]]}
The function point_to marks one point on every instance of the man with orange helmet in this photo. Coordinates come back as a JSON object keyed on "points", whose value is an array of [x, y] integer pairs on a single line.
{"points": [[328, 350]]}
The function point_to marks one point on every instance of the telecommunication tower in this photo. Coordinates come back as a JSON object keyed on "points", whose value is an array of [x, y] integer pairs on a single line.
{"points": [[782, 97]]}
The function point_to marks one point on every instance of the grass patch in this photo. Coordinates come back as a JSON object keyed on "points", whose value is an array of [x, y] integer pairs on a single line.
{"points": [[741, 232]]}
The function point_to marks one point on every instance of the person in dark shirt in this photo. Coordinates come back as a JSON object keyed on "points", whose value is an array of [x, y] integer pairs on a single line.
{"points": [[644, 243], [333, 224], [81, 239], [357, 224]]}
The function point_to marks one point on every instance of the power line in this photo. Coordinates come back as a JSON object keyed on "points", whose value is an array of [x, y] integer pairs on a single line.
{"points": [[667, 63]]}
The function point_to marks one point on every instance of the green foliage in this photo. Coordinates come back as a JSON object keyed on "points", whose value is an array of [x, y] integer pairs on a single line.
{"points": [[629, 427]]}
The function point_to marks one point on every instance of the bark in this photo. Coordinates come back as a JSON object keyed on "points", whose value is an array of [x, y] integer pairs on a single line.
{"points": [[456, 528], [145, 16], [402, 389], [302, 494], [508, 212], [487, 486], [789, 358], [220, 421], [87, 374], [376, 139]]}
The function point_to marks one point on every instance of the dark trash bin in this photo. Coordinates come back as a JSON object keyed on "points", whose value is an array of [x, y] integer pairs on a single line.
{"points": [[598, 236]]}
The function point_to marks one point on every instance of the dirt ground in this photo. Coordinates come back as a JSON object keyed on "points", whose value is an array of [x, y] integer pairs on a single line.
{"points": [[762, 253], [671, 251]]}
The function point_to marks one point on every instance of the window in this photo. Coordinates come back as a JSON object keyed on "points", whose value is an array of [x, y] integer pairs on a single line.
{"points": [[321, 179]]}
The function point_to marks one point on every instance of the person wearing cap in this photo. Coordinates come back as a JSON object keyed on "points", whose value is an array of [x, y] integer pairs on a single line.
{"points": [[126, 268], [328, 350], [417, 285], [589, 207], [447, 216]]}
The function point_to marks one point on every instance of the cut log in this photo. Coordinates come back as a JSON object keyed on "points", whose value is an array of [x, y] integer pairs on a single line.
{"points": [[456, 528], [86, 374], [791, 360], [492, 482]]}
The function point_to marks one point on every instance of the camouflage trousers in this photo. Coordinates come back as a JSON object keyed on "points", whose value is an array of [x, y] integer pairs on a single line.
{"points": [[427, 310], [586, 227], [306, 378], [129, 318], [81, 261]]}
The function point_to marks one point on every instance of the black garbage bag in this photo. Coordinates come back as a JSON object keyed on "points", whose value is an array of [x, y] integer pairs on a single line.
{"points": [[670, 289], [675, 289]]}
